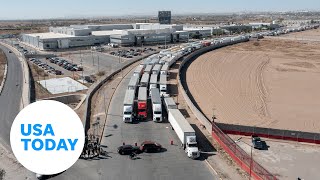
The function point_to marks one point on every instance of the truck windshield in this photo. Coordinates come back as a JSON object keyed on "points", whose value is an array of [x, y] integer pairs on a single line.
{"points": [[163, 90], [127, 112], [193, 145], [142, 110], [157, 112]]}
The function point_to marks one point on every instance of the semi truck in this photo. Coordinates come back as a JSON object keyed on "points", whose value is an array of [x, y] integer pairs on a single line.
{"points": [[164, 69], [185, 133], [138, 71], [128, 106], [144, 82], [148, 69], [156, 105], [133, 83], [163, 85], [153, 82], [142, 103], [169, 103], [156, 69]]}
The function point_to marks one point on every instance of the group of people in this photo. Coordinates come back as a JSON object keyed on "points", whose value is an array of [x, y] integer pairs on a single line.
{"points": [[91, 148]]}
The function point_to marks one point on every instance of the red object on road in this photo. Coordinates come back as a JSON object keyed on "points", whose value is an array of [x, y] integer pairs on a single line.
{"points": [[142, 103], [171, 142]]}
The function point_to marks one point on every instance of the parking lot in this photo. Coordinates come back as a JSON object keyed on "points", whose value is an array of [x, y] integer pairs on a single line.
{"points": [[286, 159]]}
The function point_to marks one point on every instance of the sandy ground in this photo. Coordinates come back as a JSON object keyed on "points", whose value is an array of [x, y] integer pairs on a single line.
{"points": [[3, 61], [273, 83], [13, 169], [286, 159]]}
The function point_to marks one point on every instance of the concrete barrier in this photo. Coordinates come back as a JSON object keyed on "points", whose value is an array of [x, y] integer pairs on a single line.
{"points": [[4, 77]]}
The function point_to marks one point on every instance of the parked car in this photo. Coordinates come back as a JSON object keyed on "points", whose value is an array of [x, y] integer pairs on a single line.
{"points": [[128, 149], [58, 72], [150, 146], [257, 143]]}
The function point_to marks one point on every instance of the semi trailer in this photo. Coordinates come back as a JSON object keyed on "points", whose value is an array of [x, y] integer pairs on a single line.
{"points": [[128, 106], [156, 105], [185, 133], [142, 103]]}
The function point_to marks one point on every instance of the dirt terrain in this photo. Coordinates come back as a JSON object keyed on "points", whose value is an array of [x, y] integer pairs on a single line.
{"points": [[271, 83]]}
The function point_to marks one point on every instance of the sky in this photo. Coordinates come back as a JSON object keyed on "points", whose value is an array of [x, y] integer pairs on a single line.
{"points": [[42, 9]]}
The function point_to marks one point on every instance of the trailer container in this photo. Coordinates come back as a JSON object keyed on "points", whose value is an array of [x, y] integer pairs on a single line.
{"points": [[142, 103], [156, 69], [185, 133], [163, 85], [145, 80], [156, 105], [148, 69], [128, 106], [133, 83]]}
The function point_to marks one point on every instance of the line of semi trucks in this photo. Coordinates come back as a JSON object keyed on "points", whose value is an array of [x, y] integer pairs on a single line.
{"points": [[147, 88], [149, 82]]}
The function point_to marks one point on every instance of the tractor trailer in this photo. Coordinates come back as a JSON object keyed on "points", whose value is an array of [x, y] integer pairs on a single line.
{"points": [[185, 133], [142, 103], [128, 106], [156, 105]]}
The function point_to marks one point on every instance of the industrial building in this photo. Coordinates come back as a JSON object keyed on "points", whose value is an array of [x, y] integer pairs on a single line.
{"points": [[164, 17], [122, 34]]}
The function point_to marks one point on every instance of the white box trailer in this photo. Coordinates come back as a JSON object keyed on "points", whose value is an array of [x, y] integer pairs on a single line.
{"points": [[185, 133], [128, 106], [138, 71], [133, 83], [144, 82], [169, 103], [153, 82], [148, 69], [163, 85], [156, 69], [164, 69], [156, 105], [171, 61]]}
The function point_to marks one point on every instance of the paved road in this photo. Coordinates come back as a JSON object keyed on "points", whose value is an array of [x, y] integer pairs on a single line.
{"points": [[171, 164], [10, 96]]}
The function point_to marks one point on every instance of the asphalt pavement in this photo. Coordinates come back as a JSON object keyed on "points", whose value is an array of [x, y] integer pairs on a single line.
{"points": [[172, 163], [10, 97]]}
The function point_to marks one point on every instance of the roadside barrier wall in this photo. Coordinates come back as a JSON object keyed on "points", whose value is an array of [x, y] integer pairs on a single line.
{"points": [[290, 135]]}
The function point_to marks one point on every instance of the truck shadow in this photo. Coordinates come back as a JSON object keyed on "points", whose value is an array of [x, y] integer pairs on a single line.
{"points": [[203, 144]]}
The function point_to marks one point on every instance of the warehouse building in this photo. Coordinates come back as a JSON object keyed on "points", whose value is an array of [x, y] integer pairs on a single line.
{"points": [[122, 34]]}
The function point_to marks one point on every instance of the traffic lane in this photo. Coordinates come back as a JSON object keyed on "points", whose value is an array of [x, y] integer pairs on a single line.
{"points": [[10, 97], [171, 164]]}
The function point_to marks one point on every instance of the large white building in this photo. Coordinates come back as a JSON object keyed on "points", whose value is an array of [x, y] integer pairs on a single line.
{"points": [[122, 34]]}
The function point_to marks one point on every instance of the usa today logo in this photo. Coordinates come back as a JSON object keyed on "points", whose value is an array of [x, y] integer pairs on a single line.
{"points": [[47, 137]]}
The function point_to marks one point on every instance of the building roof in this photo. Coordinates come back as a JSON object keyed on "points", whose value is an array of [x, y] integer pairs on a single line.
{"points": [[106, 33], [49, 35]]}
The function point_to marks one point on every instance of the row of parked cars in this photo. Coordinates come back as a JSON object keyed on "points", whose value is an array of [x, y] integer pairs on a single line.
{"points": [[146, 146], [131, 52], [65, 64], [45, 67]]}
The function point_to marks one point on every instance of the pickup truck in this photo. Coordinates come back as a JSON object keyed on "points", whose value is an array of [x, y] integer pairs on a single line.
{"points": [[257, 143]]}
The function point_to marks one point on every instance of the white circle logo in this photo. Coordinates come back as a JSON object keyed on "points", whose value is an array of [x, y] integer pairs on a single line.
{"points": [[47, 137]]}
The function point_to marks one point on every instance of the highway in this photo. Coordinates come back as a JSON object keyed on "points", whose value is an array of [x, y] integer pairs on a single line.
{"points": [[10, 96]]}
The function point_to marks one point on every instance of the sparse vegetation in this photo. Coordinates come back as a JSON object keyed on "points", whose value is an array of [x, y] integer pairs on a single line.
{"points": [[3, 61], [101, 73]]}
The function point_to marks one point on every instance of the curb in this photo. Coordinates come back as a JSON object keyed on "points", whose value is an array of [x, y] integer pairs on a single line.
{"points": [[4, 78]]}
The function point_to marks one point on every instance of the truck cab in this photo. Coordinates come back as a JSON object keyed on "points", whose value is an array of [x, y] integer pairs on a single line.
{"points": [[128, 106], [192, 147]]}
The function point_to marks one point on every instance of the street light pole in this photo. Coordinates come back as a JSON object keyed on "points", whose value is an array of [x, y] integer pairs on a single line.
{"points": [[251, 157]]}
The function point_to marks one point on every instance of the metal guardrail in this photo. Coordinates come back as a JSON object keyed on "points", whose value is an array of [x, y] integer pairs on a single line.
{"points": [[235, 151]]}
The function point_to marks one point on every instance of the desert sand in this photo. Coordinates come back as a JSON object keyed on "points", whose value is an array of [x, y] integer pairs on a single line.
{"points": [[272, 83]]}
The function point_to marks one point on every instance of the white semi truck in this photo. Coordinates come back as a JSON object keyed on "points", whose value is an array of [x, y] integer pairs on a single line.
{"points": [[145, 80], [128, 106], [153, 82], [156, 105], [185, 133], [133, 83], [163, 85]]}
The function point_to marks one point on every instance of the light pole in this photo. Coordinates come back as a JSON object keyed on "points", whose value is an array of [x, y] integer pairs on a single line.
{"points": [[251, 159]]}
